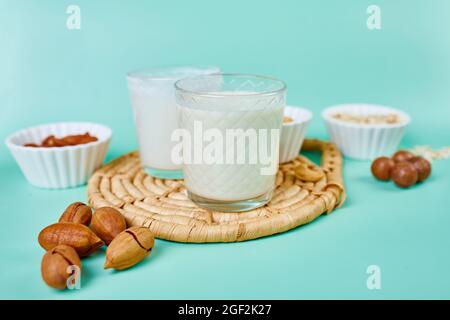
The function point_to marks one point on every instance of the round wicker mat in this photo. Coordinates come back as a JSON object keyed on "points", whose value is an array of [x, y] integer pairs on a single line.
{"points": [[303, 192]]}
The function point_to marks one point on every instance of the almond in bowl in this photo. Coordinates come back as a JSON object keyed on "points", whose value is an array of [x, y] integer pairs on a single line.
{"points": [[365, 131]]}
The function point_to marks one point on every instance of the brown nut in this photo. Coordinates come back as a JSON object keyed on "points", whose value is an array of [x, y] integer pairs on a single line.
{"points": [[72, 140], [87, 138], [77, 212], [423, 167], [382, 167], [77, 236], [56, 263], [129, 247], [31, 145], [404, 174], [52, 141], [402, 155], [77, 139], [287, 119], [107, 223]]}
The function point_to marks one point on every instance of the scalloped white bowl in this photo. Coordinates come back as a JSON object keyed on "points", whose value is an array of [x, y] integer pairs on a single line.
{"points": [[293, 133], [365, 141], [62, 167]]}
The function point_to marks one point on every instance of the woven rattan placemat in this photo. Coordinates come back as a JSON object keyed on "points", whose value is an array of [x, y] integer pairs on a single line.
{"points": [[303, 192]]}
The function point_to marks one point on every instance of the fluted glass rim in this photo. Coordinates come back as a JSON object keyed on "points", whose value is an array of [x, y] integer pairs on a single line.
{"points": [[179, 87]]}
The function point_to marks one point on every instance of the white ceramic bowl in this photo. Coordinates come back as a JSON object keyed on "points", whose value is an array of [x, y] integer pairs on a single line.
{"points": [[62, 167], [293, 133], [365, 141]]}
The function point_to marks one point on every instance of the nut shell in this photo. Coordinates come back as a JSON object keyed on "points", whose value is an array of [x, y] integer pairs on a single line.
{"points": [[77, 212], [404, 174], [55, 263], [77, 236], [423, 167], [129, 247], [107, 223], [382, 168], [402, 155]]}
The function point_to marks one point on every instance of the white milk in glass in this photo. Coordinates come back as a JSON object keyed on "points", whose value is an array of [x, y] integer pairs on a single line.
{"points": [[233, 181], [155, 119], [232, 123], [153, 100]]}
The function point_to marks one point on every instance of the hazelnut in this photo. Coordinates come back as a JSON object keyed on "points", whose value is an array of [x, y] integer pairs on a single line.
{"points": [[107, 223], [77, 212], [382, 168], [422, 166], [55, 265], [402, 155], [404, 174]]}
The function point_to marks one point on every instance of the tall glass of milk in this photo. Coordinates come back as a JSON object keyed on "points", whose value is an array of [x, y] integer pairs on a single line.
{"points": [[229, 131], [153, 100]]}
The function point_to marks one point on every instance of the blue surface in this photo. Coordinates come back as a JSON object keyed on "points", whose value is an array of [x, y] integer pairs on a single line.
{"points": [[325, 53]]}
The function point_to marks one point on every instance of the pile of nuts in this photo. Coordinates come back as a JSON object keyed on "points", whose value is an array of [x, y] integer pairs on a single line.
{"points": [[72, 140], [404, 168], [71, 239]]}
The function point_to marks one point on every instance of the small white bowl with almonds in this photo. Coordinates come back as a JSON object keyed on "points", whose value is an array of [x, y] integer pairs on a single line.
{"points": [[293, 130], [365, 131], [60, 155]]}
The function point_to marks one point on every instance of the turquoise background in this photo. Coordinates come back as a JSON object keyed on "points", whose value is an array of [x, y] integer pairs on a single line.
{"points": [[325, 53]]}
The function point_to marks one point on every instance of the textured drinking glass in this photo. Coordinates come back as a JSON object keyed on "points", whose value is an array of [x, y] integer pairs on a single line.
{"points": [[153, 99], [230, 126]]}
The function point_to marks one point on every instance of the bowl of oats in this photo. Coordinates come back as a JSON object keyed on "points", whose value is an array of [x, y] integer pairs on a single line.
{"points": [[365, 131]]}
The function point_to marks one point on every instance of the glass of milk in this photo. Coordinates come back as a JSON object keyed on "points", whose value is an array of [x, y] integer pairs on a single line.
{"points": [[153, 99], [229, 130]]}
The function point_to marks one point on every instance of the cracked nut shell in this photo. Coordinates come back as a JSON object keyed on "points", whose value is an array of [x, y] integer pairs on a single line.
{"points": [[55, 264], [129, 247], [77, 212]]}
